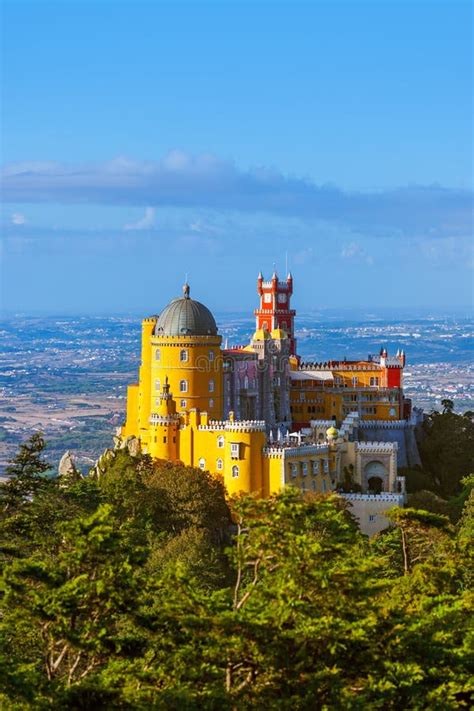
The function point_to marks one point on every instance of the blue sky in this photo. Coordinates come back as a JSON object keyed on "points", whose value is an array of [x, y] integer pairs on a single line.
{"points": [[141, 141]]}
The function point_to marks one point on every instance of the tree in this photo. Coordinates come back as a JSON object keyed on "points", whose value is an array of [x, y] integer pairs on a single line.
{"points": [[25, 471], [447, 405]]}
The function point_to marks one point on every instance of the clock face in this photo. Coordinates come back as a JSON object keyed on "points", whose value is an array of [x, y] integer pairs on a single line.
{"points": [[267, 298], [282, 298]]}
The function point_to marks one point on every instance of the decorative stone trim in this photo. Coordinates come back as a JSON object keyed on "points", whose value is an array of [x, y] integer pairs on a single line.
{"points": [[376, 447], [396, 499]]}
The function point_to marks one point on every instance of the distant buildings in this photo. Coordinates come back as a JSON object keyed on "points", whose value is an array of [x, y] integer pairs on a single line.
{"points": [[262, 420]]}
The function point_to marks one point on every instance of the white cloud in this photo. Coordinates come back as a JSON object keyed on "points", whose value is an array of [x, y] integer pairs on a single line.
{"points": [[18, 219], [184, 180], [145, 222], [355, 252]]}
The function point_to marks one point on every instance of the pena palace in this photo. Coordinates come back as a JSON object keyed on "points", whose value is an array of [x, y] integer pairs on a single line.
{"points": [[260, 418]]}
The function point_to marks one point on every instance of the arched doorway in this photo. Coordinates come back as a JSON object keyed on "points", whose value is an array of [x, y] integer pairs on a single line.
{"points": [[376, 477]]}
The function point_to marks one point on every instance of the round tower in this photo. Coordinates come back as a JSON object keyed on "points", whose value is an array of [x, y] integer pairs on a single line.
{"points": [[186, 352]]}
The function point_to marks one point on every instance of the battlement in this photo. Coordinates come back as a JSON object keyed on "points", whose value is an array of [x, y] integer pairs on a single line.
{"points": [[285, 451], [377, 447], [385, 424], [395, 499], [163, 420], [236, 426], [364, 366], [281, 285]]}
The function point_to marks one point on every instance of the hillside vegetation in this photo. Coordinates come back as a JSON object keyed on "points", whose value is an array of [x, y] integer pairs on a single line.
{"points": [[144, 588]]}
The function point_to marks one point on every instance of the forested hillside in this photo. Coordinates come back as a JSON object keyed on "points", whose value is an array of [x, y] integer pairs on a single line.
{"points": [[143, 588]]}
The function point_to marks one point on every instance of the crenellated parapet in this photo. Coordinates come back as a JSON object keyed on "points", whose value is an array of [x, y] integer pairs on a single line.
{"points": [[376, 447], [236, 426], [280, 451], [394, 499], [386, 424]]}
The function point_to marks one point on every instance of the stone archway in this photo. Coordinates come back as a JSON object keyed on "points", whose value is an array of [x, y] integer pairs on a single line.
{"points": [[376, 477]]}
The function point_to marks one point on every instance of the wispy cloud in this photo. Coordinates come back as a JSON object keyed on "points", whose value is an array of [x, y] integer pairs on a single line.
{"points": [[145, 222], [180, 179], [17, 219], [356, 252]]}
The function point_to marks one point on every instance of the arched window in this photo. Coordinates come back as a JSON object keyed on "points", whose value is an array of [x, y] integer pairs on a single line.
{"points": [[211, 403], [219, 465], [183, 404], [157, 384], [202, 463], [211, 386], [183, 386], [220, 441], [211, 356], [235, 471], [157, 354], [183, 356]]}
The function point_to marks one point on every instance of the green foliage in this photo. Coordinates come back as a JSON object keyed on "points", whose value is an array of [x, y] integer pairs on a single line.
{"points": [[137, 590], [447, 450]]}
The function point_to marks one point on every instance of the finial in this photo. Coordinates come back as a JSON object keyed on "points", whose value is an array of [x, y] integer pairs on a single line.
{"points": [[186, 290], [260, 275]]}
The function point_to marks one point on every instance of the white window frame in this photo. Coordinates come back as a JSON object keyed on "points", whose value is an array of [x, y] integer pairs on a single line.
{"points": [[157, 385], [211, 356], [304, 468], [235, 450], [202, 464], [219, 464], [212, 386], [183, 355], [235, 471], [157, 354], [183, 403], [183, 386], [220, 441], [316, 466], [355, 380], [211, 403]]}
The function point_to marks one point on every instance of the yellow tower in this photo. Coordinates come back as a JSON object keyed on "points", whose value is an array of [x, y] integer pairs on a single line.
{"points": [[180, 347]]}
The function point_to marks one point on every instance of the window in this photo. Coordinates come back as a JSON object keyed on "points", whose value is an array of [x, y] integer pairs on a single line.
{"points": [[183, 386], [183, 356], [235, 471], [211, 403], [202, 463], [282, 298], [234, 450], [267, 298], [220, 441], [183, 403], [374, 381], [372, 518], [246, 382], [157, 401], [219, 465], [294, 470], [316, 466], [211, 386], [337, 380], [325, 465], [303, 487], [157, 354], [313, 485], [355, 380], [211, 356], [305, 468], [324, 486], [157, 384], [164, 440]]}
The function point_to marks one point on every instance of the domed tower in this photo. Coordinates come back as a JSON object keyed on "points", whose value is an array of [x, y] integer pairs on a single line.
{"points": [[186, 349], [180, 347]]}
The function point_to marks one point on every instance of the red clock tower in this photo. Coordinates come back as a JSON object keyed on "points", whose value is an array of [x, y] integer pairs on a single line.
{"points": [[274, 311]]}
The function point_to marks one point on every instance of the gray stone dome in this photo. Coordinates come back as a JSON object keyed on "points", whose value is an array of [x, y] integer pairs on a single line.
{"points": [[185, 317]]}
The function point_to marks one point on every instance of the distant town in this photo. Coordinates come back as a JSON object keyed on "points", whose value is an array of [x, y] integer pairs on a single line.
{"points": [[67, 376]]}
